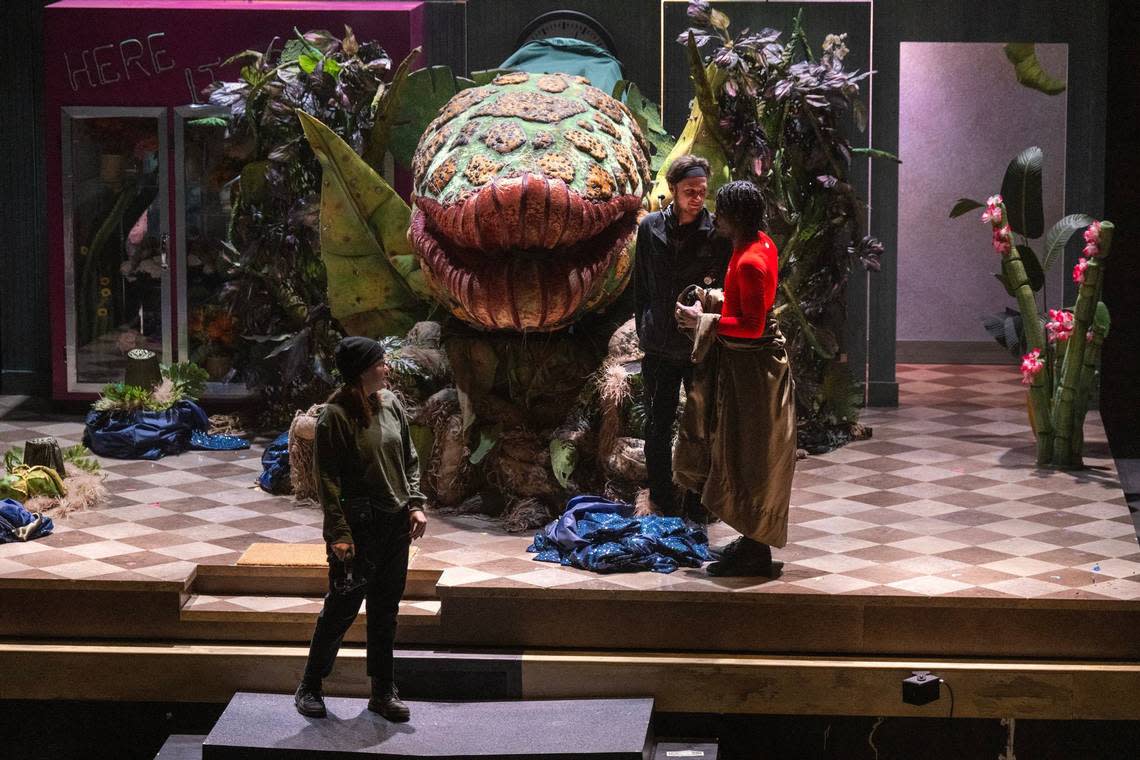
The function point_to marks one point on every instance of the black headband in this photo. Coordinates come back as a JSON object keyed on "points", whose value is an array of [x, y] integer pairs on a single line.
{"points": [[694, 171]]}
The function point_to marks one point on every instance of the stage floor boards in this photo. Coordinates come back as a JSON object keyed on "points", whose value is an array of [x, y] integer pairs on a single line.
{"points": [[943, 501]]}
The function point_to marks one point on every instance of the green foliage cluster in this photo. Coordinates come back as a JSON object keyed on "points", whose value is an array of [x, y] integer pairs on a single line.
{"points": [[181, 381], [276, 283], [778, 114], [78, 455]]}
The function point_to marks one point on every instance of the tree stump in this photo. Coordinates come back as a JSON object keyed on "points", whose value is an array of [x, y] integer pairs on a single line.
{"points": [[142, 368], [46, 452]]}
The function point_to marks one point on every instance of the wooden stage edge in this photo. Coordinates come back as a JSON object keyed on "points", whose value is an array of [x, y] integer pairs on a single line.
{"points": [[679, 682], [488, 617]]}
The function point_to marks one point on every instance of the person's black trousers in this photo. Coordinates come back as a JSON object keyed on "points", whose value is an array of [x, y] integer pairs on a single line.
{"points": [[662, 378], [378, 572]]}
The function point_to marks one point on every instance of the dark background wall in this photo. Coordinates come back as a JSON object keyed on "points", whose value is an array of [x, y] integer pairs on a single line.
{"points": [[24, 336]]}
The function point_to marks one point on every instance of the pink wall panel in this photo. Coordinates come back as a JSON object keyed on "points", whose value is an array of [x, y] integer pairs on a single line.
{"points": [[146, 53]]}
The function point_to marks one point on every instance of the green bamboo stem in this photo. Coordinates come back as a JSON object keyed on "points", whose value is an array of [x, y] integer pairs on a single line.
{"points": [[1039, 391], [1066, 400], [1084, 390]]}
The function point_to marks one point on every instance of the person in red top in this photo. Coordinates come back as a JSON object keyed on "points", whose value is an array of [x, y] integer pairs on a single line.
{"points": [[737, 444]]}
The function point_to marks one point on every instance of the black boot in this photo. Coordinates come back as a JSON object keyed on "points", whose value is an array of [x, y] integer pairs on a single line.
{"points": [[386, 701], [751, 558], [309, 700]]}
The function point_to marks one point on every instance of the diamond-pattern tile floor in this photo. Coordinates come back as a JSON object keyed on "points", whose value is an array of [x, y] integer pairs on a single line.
{"points": [[943, 500]]}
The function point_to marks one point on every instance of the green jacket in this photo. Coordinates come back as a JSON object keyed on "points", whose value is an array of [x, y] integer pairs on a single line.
{"points": [[378, 462]]}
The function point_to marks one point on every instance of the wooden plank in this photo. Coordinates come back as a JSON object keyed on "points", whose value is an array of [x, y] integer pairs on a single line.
{"points": [[189, 672], [1070, 690]]}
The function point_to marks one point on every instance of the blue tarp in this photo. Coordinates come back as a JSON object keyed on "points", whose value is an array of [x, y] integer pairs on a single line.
{"points": [[603, 536], [144, 435], [275, 466], [18, 524]]}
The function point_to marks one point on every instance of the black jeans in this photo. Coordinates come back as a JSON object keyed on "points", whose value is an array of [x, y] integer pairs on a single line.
{"points": [[378, 572], [663, 378]]}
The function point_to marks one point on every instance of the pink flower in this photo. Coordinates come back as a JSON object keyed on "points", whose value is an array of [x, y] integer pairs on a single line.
{"points": [[1060, 325], [1092, 250], [1089, 336], [1092, 233], [1079, 271], [1001, 239], [992, 214], [1031, 366]]}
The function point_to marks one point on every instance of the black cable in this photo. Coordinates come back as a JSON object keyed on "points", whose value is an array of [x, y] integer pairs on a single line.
{"points": [[951, 690]]}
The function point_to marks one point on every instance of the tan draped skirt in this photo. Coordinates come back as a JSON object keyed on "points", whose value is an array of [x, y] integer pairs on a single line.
{"points": [[737, 443]]}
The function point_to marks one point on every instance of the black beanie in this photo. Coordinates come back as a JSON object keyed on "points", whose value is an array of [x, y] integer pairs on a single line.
{"points": [[354, 354]]}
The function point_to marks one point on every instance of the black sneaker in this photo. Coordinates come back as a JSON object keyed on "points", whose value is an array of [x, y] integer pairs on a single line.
{"points": [[748, 559], [726, 551], [309, 700], [385, 701]]}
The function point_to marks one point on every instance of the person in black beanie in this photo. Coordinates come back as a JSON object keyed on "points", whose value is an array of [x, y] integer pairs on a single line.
{"points": [[368, 484], [676, 247]]}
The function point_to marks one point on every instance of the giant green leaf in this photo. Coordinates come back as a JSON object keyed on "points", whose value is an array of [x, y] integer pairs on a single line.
{"points": [[1023, 56], [387, 104], [563, 460], [374, 280], [1058, 236], [1021, 191], [648, 117], [425, 92]]}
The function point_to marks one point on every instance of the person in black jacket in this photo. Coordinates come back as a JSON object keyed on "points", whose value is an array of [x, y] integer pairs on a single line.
{"points": [[676, 247], [368, 479]]}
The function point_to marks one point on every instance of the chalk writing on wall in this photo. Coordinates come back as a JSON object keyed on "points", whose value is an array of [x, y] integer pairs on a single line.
{"points": [[128, 59]]}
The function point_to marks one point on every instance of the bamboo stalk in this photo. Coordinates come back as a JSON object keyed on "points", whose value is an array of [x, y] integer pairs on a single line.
{"points": [[1066, 400], [1039, 391], [1084, 390]]}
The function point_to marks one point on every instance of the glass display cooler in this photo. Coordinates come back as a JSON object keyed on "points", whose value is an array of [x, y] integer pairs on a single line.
{"points": [[138, 207]]}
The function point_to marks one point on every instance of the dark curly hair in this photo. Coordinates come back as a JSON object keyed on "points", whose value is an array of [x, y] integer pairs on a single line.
{"points": [[742, 204]]}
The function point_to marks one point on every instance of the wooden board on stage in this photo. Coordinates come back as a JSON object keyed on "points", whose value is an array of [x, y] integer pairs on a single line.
{"points": [[294, 555]]}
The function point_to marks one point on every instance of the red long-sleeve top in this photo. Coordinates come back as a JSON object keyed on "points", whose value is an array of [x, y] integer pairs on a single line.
{"points": [[749, 289]]}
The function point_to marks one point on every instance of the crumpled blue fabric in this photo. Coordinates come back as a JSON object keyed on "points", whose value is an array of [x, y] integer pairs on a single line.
{"points": [[142, 434], [206, 442], [274, 476], [18, 524], [603, 536]]}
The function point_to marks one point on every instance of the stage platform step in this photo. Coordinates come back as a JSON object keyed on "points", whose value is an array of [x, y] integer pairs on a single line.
{"points": [[237, 580], [181, 747], [256, 726], [207, 608]]}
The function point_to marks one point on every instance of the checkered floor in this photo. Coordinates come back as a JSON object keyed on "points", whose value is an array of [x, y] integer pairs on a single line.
{"points": [[944, 500]]}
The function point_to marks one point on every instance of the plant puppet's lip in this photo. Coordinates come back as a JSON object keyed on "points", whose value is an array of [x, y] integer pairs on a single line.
{"points": [[521, 253]]}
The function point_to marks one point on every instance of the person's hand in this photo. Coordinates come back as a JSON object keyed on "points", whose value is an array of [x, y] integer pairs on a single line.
{"points": [[688, 316], [343, 550], [417, 523]]}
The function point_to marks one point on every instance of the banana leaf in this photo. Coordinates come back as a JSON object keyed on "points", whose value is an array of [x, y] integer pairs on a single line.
{"points": [[1021, 191], [1059, 234], [375, 286], [649, 119], [424, 93], [387, 105], [701, 135]]}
